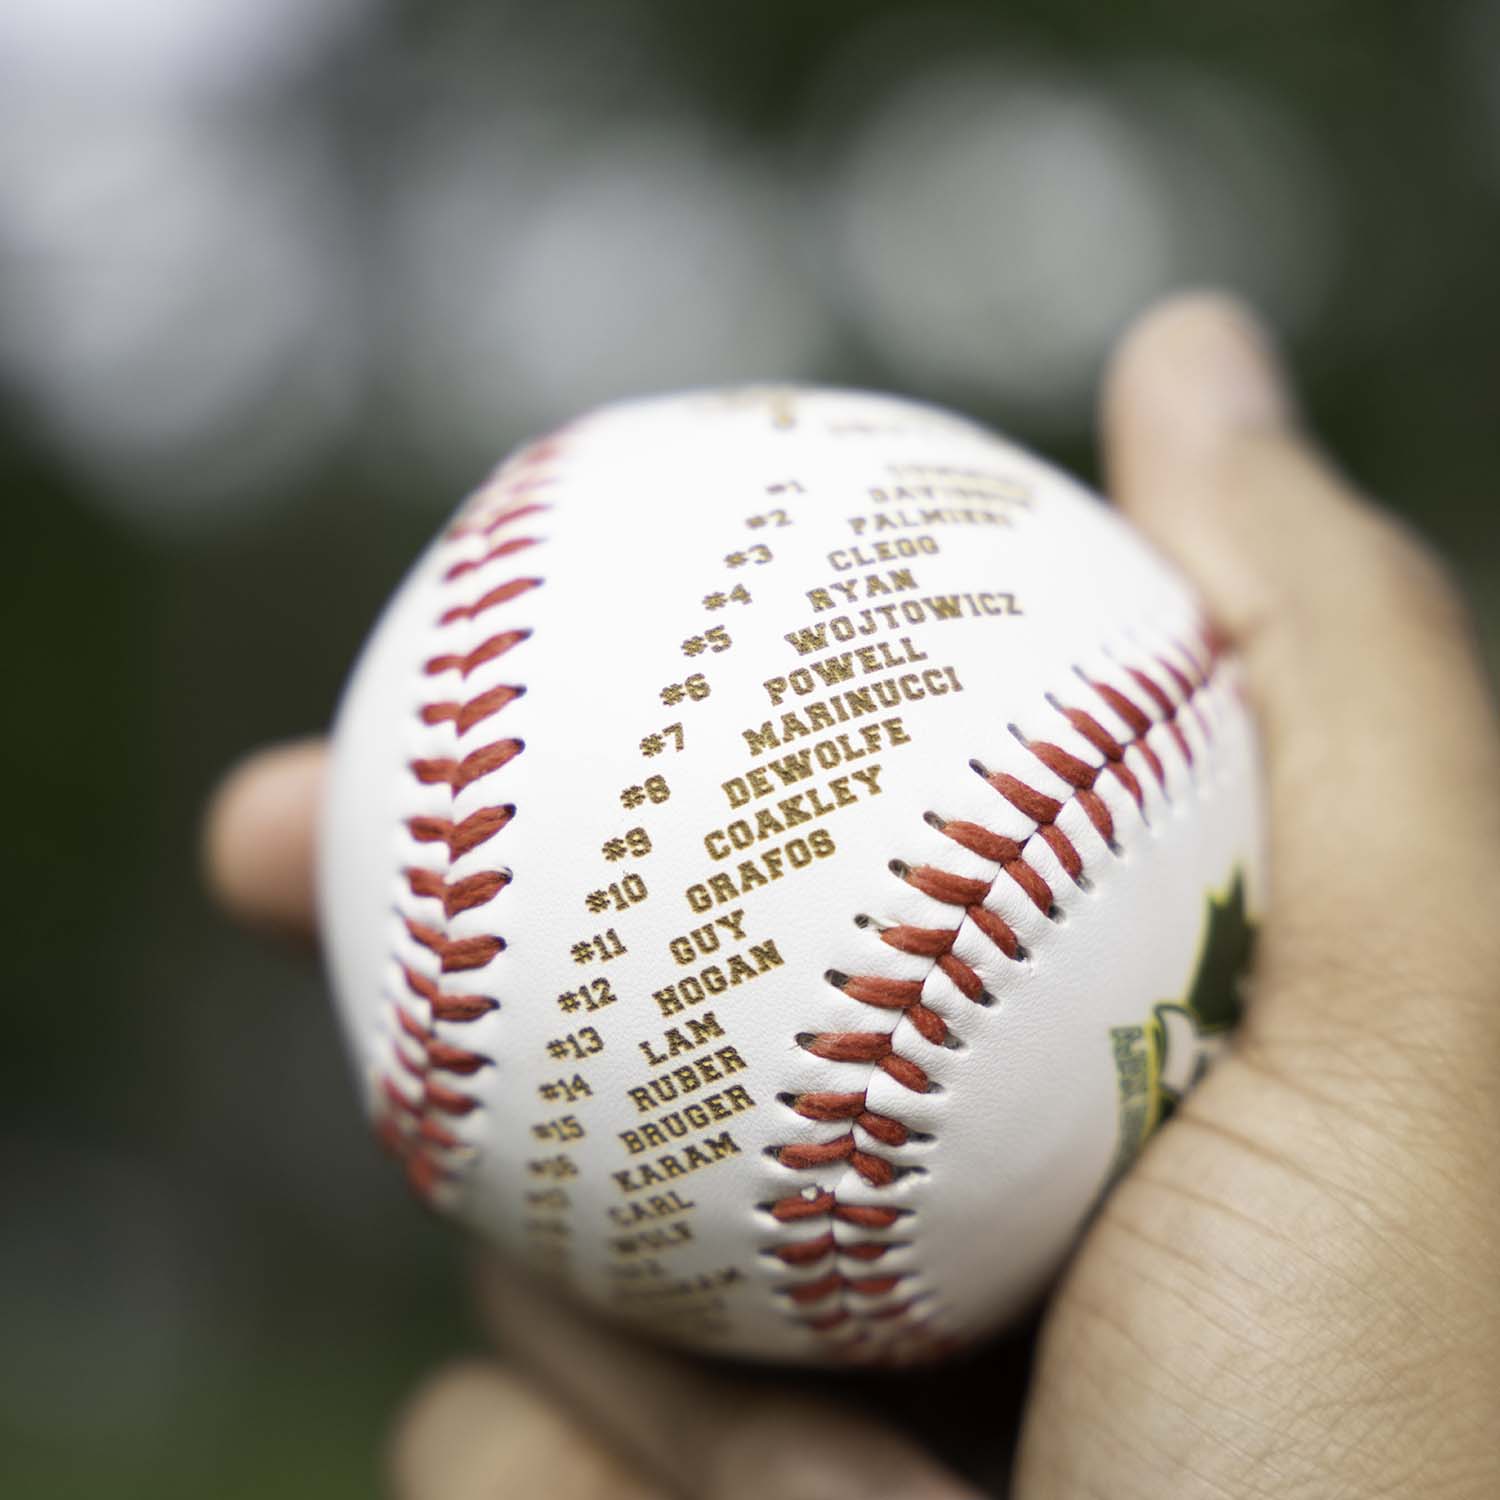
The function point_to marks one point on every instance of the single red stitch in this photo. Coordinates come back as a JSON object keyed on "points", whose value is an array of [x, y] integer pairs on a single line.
{"points": [[417, 1070], [791, 1210], [1180, 679], [867, 1216], [462, 837], [486, 651], [805, 1252], [815, 1291], [500, 549], [887, 1130], [440, 1054], [1063, 847], [464, 716], [848, 1046], [952, 890], [455, 1059], [458, 895], [463, 1007], [925, 942], [876, 1048], [816, 1155], [965, 979], [481, 521], [829, 1106], [462, 773], [518, 513], [444, 1006], [501, 594], [394, 1097], [1097, 811], [1152, 759], [1036, 805], [983, 842], [1079, 774], [1138, 720], [996, 929], [1127, 779], [447, 1101], [888, 994], [456, 954], [1033, 886], [1165, 705]]}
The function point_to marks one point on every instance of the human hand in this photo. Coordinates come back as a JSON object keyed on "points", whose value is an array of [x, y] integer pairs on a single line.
{"points": [[1296, 1290]]}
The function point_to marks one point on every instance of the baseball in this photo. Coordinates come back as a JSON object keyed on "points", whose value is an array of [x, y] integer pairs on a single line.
{"points": [[786, 850]]}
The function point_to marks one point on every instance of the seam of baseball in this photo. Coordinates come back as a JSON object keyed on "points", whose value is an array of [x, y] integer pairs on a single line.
{"points": [[421, 1094], [845, 1304]]}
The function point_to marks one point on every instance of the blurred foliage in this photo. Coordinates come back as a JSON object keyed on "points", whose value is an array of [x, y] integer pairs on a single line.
{"points": [[210, 1285]]}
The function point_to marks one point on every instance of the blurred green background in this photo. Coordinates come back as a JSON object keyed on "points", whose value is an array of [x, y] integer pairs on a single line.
{"points": [[280, 278]]}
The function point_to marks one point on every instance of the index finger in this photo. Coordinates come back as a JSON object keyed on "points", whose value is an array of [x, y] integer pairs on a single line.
{"points": [[259, 836], [1383, 751], [714, 1434]]}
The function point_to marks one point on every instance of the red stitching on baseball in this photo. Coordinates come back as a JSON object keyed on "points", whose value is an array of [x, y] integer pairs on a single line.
{"points": [[455, 954], [808, 1299], [457, 895], [509, 517], [499, 550], [461, 773], [478, 828], [447, 1007], [503, 594], [513, 479], [412, 1123], [464, 716]]}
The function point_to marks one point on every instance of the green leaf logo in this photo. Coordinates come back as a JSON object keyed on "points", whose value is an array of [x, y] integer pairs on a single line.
{"points": [[1158, 1062]]}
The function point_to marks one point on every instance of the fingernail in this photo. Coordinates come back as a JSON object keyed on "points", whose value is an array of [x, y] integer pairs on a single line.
{"points": [[1204, 367], [1241, 372]]}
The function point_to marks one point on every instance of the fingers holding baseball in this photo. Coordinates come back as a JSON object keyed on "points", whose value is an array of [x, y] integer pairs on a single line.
{"points": [[478, 1431], [1316, 1228], [698, 1431], [259, 835], [1384, 757]]}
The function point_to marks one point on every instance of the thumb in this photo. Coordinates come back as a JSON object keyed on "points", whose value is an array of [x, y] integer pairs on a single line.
{"points": [[1382, 751]]}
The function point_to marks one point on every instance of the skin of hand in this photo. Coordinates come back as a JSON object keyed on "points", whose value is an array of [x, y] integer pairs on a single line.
{"points": [[1296, 1291]]}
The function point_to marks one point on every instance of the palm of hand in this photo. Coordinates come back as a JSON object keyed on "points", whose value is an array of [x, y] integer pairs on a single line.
{"points": [[1183, 1285]]}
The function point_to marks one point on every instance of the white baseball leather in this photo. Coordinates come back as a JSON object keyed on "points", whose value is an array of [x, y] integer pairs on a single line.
{"points": [[798, 1201]]}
